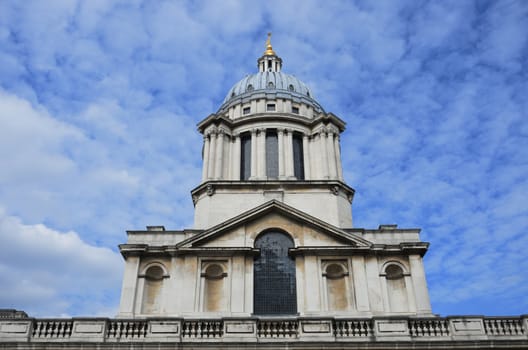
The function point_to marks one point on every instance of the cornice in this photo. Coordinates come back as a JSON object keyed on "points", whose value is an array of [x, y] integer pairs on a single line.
{"points": [[266, 117]]}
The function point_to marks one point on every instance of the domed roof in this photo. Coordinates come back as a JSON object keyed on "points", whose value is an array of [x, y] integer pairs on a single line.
{"points": [[269, 81]]}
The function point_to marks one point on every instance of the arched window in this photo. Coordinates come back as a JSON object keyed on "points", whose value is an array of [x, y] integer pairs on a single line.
{"points": [[336, 286], [152, 290], [245, 156], [214, 296], [275, 291], [272, 155], [396, 290], [298, 157]]}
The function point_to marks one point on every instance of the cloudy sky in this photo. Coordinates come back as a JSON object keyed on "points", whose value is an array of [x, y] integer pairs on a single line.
{"points": [[99, 101]]}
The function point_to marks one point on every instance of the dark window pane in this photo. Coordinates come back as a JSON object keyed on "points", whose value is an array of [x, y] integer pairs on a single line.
{"points": [[298, 159], [274, 276], [245, 155], [272, 155]]}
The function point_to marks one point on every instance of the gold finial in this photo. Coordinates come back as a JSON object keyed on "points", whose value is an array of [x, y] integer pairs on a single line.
{"points": [[269, 50]]}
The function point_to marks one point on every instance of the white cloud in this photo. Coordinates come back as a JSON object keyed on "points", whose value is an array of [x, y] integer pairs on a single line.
{"points": [[50, 273]]}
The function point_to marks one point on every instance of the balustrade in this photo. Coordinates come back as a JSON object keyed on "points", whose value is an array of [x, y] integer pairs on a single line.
{"points": [[503, 326], [203, 329], [429, 327], [43, 329], [127, 329], [453, 329], [277, 329], [353, 328]]}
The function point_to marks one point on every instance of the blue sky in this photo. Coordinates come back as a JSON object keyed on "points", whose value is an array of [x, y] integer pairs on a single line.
{"points": [[99, 101]]}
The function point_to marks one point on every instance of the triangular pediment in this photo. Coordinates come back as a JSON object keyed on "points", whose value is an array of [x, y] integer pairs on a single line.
{"points": [[306, 230]]}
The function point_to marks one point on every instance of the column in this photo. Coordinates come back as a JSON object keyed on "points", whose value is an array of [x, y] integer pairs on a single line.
{"points": [[280, 135], [306, 158], [423, 305], [289, 155], [236, 159], [253, 155], [219, 154], [212, 152], [205, 158], [261, 154], [324, 155], [332, 170], [337, 149]]}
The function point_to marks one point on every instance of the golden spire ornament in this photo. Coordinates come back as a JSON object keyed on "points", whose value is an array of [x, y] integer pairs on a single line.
{"points": [[269, 50]]}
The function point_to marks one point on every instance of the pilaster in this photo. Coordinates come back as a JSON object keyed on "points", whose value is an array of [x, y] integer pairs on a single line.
{"points": [[288, 148], [128, 290], [360, 285], [261, 154], [306, 157], [253, 160], [423, 305], [280, 135]]}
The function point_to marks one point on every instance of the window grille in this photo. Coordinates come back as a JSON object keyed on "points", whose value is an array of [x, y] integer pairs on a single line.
{"points": [[245, 157], [275, 291], [272, 155], [298, 159]]}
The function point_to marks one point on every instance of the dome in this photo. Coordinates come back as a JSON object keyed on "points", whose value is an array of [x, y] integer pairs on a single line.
{"points": [[269, 81], [280, 84]]}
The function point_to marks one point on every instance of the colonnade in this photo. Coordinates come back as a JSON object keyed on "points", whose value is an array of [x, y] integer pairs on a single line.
{"points": [[222, 154]]}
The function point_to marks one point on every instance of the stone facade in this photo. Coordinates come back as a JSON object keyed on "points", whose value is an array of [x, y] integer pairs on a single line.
{"points": [[273, 260], [361, 284], [272, 163]]}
